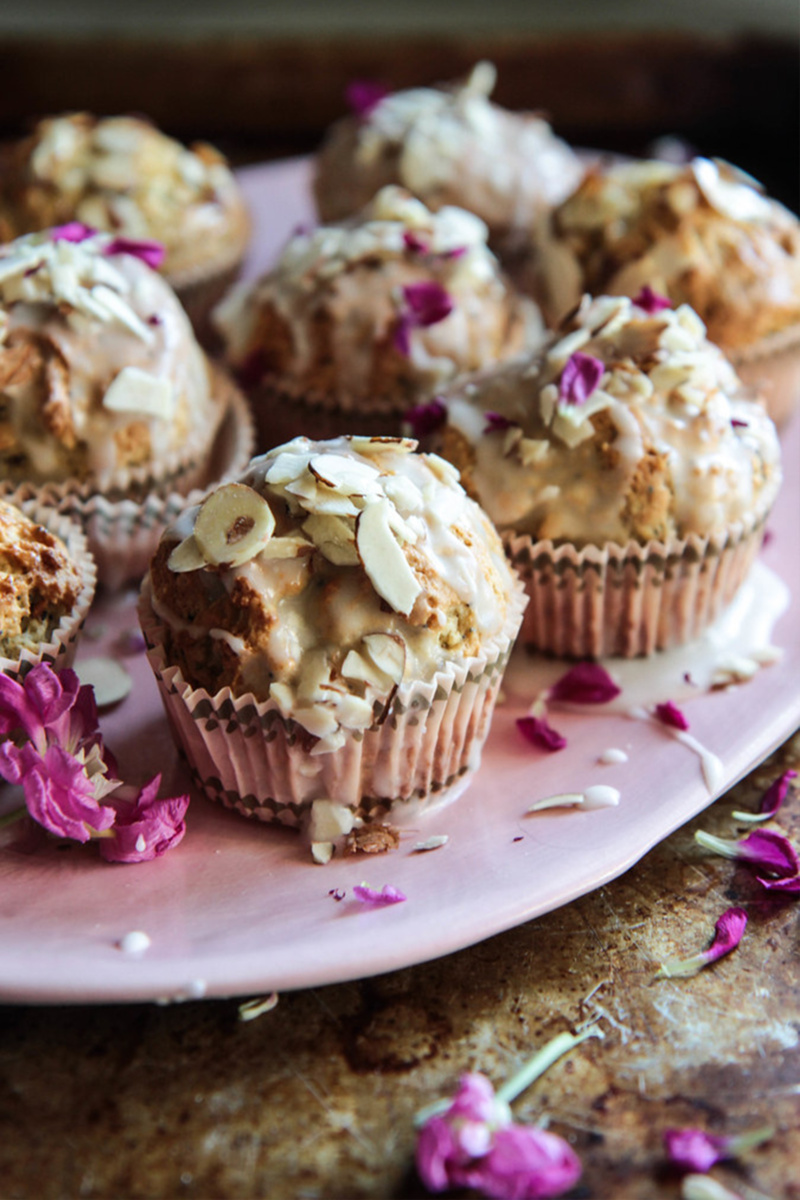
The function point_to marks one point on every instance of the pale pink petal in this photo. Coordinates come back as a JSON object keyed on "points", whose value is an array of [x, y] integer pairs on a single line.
{"points": [[581, 375], [524, 1163], [375, 899], [60, 797], [147, 828], [693, 1149]]}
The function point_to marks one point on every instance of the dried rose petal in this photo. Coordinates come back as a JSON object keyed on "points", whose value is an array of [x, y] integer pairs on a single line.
{"points": [[376, 899], [650, 301], [424, 419], [581, 375], [73, 231], [401, 338], [428, 302], [728, 932], [539, 733], [737, 424], [148, 251], [766, 851], [585, 683], [337, 893], [669, 714], [784, 887], [696, 1150], [364, 95], [496, 423], [147, 828], [775, 794], [413, 242]]}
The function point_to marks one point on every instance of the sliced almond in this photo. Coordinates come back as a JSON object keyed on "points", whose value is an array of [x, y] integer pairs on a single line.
{"points": [[286, 547], [234, 523], [532, 450], [383, 560], [388, 652], [353, 712], [186, 556], [137, 391], [403, 493], [444, 471], [322, 852], [316, 671], [110, 680], [329, 821], [379, 445], [287, 467], [347, 475], [333, 537], [359, 669]]}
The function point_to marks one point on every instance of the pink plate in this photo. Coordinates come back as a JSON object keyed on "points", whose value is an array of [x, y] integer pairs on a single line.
{"points": [[239, 908]]}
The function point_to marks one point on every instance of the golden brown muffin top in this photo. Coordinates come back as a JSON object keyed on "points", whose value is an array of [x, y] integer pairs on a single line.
{"points": [[703, 234], [332, 573], [38, 581], [123, 176], [629, 424]]}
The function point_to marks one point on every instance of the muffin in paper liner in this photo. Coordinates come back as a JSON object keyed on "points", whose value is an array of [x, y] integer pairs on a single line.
{"points": [[247, 755], [124, 523], [771, 367], [629, 600], [59, 649]]}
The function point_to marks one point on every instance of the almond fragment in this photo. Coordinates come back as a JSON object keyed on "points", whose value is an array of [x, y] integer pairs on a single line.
{"points": [[384, 562], [186, 556], [346, 475], [378, 445], [388, 652], [234, 523], [329, 820], [359, 669], [137, 391], [333, 537], [286, 547]]}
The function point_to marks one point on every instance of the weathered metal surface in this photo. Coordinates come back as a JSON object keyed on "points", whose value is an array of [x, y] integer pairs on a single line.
{"points": [[316, 1098]]}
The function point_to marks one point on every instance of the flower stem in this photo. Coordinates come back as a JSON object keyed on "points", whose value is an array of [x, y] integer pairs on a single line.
{"points": [[721, 846], [11, 817], [542, 1060]]}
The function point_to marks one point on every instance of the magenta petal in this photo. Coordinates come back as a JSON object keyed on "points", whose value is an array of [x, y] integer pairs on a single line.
{"points": [[148, 251], [775, 794], [424, 419], [694, 1150], [728, 932], [414, 242], [768, 852], [524, 1163], [60, 797], [496, 423], [376, 899], [539, 733], [73, 231], [435, 1152], [147, 828], [474, 1098], [427, 302], [669, 714], [585, 683], [782, 887], [581, 375], [737, 424], [650, 302], [401, 337], [363, 95]]}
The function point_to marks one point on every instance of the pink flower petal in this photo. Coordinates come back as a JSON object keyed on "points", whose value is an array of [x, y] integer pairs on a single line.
{"points": [[669, 714], [650, 302], [147, 828], [783, 887], [775, 794], [539, 733], [581, 375], [424, 419], [769, 852], [585, 683], [337, 893], [401, 338], [737, 424], [524, 1163], [413, 242], [693, 1150], [364, 95], [728, 933], [496, 423], [59, 796], [428, 302], [73, 231], [376, 899], [148, 251]]}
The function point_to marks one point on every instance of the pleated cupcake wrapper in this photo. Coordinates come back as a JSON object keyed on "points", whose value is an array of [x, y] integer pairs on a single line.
{"points": [[247, 755], [59, 650], [771, 367], [629, 600], [123, 533]]}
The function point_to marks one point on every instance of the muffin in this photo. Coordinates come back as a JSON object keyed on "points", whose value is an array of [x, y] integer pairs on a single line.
{"points": [[448, 146], [122, 176], [702, 234], [629, 473], [47, 582], [360, 322], [333, 626], [109, 409]]}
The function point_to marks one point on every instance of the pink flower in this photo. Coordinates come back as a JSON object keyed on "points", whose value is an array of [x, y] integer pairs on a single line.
{"points": [[775, 794], [496, 423], [59, 794], [585, 683], [474, 1143], [539, 733], [426, 304], [413, 242], [669, 714], [424, 419], [767, 852], [375, 899], [728, 932], [73, 231], [696, 1150], [650, 302], [146, 829], [581, 375], [148, 251], [364, 95]]}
